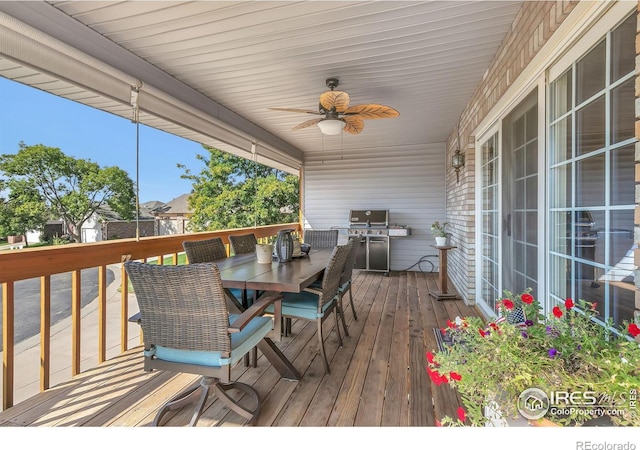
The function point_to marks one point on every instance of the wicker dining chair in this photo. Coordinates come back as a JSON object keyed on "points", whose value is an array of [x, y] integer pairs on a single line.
{"points": [[243, 243], [187, 329], [317, 303], [204, 250], [211, 250], [321, 238]]}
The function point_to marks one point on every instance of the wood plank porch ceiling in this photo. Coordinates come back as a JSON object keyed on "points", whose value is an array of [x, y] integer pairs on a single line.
{"points": [[377, 378]]}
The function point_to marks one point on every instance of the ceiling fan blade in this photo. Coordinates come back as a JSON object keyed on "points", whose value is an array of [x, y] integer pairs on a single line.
{"points": [[372, 111], [306, 124], [353, 124], [337, 99], [296, 110]]}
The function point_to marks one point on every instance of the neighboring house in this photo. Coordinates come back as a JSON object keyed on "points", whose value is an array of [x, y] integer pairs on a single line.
{"points": [[172, 217], [105, 224]]}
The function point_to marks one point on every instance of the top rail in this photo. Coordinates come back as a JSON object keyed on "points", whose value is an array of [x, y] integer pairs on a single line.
{"points": [[35, 262]]}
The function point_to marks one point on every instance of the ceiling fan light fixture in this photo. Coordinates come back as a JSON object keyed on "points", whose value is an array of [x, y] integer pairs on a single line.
{"points": [[331, 127]]}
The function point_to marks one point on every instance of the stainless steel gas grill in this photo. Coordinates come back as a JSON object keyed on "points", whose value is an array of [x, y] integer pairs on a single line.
{"points": [[372, 226]]}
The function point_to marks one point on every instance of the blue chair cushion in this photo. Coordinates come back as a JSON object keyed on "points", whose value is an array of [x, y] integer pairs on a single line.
{"points": [[241, 343], [303, 305]]}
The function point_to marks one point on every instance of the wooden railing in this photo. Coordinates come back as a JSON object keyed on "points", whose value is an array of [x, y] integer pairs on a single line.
{"points": [[16, 265]]}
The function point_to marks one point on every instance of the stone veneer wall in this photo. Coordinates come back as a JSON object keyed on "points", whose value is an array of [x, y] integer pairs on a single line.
{"points": [[531, 29]]}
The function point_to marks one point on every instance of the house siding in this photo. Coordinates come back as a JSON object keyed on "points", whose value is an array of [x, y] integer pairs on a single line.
{"points": [[534, 25], [406, 180]]}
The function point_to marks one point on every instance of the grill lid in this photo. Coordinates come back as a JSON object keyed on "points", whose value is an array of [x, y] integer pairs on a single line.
{"points": [[373, 218]]}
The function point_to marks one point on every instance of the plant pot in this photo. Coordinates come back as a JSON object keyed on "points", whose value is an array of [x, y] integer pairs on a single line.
{"points": [[264, 253], [441, 241]]}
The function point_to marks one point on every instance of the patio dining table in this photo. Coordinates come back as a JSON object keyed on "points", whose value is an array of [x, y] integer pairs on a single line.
{"points": [[244, 272]]}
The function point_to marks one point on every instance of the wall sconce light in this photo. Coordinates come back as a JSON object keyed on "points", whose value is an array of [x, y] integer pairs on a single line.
{"points": [[457, 159], [457, 162]]}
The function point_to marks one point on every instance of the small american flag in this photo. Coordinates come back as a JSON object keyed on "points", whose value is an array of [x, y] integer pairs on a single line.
{"points": [[516, 316]]}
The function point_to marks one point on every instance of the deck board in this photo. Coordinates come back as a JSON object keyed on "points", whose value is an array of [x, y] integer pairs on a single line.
{"points": [[377, 378]]}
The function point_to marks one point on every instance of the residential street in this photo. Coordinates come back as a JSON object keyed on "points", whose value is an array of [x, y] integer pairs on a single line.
{"points": [[27, 301]]}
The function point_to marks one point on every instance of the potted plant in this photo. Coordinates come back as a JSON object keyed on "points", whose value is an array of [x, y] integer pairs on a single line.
{"points": [[565, 366], [264, 251], [439, 231]]}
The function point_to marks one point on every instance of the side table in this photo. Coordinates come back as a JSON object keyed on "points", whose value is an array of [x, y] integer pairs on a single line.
{"points": [[443, 294]]}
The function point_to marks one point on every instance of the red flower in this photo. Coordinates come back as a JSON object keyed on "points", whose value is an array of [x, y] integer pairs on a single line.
{"points": [[455, 376], [430, 358], [461, 414], [508, 304], [593, 306], [451, 324], [438, 423], [493, 325], [568, 303], [557, 312], [527, 298], [482, 332], [634, 330]]}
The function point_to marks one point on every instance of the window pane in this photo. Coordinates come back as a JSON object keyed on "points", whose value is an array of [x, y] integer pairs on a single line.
{"points": [[532, 261], [561, 95], [518, 162], [622, 112], [559, 238], [623, 39], [621, 244], [560, 186], [622, 301], [560, 270], [531, 201], [622, 175], [532, 227], [590, 124], [589, 243], [590, 181], [532, 123], [532, 158], [488, 151], [489, 199], [590, 73], [561, 141]]}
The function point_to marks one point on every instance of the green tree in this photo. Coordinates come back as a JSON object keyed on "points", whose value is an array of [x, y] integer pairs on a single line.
{"points": [[234, 192], [23, 210], [67, 188]]}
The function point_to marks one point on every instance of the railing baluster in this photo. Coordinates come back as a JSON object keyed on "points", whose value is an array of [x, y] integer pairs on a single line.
{"points": [[76, 305], [8, 349], [45, 332], [124, 311], [102, 314]]}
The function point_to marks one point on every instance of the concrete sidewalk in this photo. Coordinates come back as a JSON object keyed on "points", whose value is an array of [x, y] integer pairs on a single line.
{"points": [[27, 352]]}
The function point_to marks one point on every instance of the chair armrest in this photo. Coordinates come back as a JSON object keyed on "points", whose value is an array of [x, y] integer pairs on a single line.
{"points": [[313, 291], [254, 310]]}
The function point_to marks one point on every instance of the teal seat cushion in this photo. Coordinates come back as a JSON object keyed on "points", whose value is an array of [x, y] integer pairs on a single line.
{"points": [[241, 343], [303, 305]]}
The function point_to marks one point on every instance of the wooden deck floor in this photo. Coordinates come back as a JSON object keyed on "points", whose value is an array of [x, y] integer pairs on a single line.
{"points": [[377, 377]]}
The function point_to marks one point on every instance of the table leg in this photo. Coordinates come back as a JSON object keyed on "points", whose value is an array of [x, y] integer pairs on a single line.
{"points": [[443, 293]]}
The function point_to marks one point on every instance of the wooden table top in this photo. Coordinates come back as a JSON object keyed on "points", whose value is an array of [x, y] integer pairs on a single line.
{"points": [[244, 272]]}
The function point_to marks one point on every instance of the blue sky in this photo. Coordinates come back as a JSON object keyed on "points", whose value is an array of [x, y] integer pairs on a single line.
{"points": [[37, 117]]}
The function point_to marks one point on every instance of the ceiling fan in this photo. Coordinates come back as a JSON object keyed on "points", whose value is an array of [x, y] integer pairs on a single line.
{"points": [[337, 115]]}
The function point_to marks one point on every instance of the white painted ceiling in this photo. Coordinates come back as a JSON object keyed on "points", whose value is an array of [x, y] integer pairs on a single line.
{"points": [[423, 58]]}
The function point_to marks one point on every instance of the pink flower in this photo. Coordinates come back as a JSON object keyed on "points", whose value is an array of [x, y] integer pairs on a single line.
{"points": [[557, 312], [568, 303], [527, 298]]}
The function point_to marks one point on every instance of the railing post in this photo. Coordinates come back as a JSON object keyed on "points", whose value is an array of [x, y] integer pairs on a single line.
{"points": [[8, 350], [76, 305], [124, 311], [45, 332], [102, 314]]}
